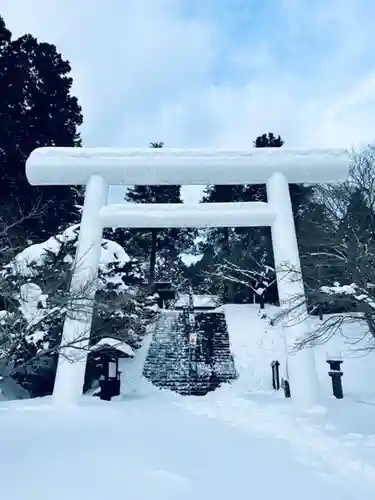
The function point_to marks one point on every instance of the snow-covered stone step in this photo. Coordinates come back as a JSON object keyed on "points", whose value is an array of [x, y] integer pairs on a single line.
{"points": [[173, 364]]}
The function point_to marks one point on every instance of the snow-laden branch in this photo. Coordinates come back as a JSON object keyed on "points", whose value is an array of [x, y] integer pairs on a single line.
{"points": [[345, 254], [35, 300], [358, 293], [258, 279], [332, 255]]}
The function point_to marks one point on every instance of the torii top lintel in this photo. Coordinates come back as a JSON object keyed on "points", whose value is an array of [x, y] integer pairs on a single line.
{"points": [[166, 166]]}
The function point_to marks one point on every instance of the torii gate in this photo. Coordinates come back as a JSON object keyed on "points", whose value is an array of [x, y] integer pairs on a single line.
{"points": [[97, 168]]}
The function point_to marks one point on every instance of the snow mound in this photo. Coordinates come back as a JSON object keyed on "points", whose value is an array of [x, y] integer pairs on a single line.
{"points": [[133, 382], [358, 356], [254, 345], [10, 390]]}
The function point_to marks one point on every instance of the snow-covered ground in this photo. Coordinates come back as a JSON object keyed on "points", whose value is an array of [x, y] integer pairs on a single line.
{"points": [[241, 441], [177, 448], [255, 344]]}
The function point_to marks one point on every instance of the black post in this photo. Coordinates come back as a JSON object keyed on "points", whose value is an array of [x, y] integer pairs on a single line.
{"points": [[105, 390], [261, 302], [336, 375], [286, 386], [275, 375], [321, 313]]}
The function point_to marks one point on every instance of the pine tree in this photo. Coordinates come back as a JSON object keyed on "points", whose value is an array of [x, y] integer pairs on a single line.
{"points": [[235, 244], [218, 240], [269, 141], [257, 192], [36, 109], [160, 248], [5, 35], [123, 306], [310, 218], [300, 194], [357, 240]]}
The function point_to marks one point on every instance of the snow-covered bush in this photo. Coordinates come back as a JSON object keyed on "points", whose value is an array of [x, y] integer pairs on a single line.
{"points": [[36, 299]]}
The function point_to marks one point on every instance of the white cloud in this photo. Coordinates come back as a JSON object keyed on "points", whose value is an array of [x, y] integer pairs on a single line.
{"points": [[144, 70], [128, 58]]}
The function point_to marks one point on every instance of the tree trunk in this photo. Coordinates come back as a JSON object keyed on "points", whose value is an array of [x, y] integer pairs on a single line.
{"points": [[370, 323], [229, 286], [151, 276], [261, 301]]}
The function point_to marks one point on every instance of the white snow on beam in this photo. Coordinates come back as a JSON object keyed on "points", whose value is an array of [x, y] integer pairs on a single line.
{"points": [[251, 214], [165, 166]]}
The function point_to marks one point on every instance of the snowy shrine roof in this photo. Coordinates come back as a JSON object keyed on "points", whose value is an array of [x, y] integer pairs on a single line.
{"points": [[167, 166], [114, 344], [206, 301]]}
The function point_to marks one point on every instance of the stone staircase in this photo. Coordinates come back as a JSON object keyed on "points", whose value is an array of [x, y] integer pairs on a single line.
{"points": [[215, 347], [173, 364]]}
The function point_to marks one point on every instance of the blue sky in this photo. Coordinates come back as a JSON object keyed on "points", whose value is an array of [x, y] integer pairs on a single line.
{"points": [[213, 72]]}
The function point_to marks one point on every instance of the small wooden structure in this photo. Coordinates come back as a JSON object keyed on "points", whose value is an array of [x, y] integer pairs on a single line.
{"points": [[166, 293], [105, 356]]}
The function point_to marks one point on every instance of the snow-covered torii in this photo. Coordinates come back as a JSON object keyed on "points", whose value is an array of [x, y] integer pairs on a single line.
{"points": [[97, 168]]}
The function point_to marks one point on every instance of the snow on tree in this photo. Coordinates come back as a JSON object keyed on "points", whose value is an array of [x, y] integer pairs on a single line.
{"points": [[246, 248], [344, 280], [258, 278], [36, 300], [235, 244]]}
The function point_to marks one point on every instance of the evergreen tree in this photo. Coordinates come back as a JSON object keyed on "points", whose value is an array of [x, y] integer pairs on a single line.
{"points": [[235, 244], [356, 238], [36, 109], [31, 338], [300, 194], [257, 192], [309, 216], [159, 248], [248, 246], [269, 141], [220, 241]]}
